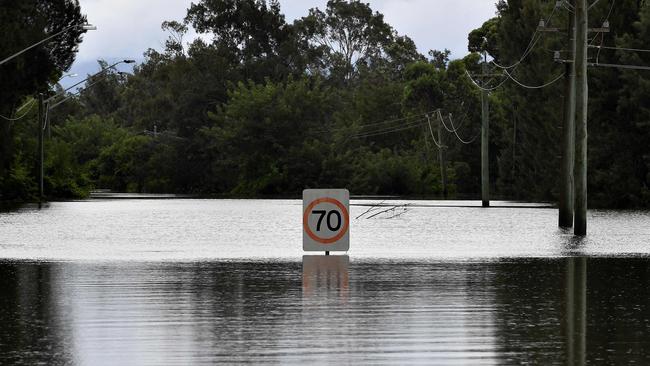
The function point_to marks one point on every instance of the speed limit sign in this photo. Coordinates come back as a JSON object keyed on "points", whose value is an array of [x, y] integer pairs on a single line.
{"points": [[325, 220]]}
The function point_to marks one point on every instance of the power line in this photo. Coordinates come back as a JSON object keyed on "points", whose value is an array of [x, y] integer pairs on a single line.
{"points": [[443, 123], [593, 4], [527, 52], [631, 67], [531, 45], [610, 10], [31, 105], [463, 120], [376, 123], [606, 19], [459, 138], [481, 87], [621, 48], [567, 5], [533, 86], [602, 35], [433, 138], [395, 120], [392, 130], [454, 129], [388, 128]]}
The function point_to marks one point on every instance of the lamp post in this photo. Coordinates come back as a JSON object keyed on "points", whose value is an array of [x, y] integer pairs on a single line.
{"points": [[85, 26], [73, 75]]}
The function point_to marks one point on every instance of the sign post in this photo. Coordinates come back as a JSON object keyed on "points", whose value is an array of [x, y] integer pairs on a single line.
{"points": [[326, 220]]}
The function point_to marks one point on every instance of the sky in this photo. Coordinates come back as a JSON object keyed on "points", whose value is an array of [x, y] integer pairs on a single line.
{"points": [[127, 28]]}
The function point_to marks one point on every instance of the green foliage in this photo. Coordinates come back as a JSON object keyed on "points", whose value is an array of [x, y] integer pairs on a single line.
{"points": [[336, 99], [267, 120], [63, 176], [24, 23], [19, 183], [136, 164]]}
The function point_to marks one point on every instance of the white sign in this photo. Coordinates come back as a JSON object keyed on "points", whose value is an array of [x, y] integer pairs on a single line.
{"points": [[325, 220]]}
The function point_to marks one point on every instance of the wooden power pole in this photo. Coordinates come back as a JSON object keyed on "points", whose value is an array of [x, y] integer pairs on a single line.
{"points": [[568, 138], [582, 95], [485, 140]]}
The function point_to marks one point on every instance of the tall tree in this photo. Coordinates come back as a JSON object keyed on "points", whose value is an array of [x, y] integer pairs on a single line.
{"points": [[253, 34], [24, 23], [350, 35]]}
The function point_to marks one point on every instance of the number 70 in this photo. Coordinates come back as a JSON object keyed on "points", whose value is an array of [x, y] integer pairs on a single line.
{"points": [[322, 214]]}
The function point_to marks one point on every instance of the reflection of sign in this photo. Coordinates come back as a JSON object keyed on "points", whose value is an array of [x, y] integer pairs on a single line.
{"points": [[325, 273], [326, 220]]}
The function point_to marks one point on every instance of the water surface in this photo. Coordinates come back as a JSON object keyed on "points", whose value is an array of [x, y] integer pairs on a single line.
{"points": [[154, 282], [198, 230]]}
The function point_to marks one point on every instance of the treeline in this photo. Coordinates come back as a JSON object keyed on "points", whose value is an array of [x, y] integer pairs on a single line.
{"points": [[339, 99]]}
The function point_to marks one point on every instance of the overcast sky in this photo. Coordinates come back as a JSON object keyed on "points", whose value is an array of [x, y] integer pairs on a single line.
{"points": [[126, 28]]}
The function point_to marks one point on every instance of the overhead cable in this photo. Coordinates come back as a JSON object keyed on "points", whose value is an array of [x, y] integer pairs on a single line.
{"points": [[31, 105], [377, 133], [593, 4], [621, 48], [619, 66], [609, 13], [443, 122], [454, 129], [432, 137], [533, 86], [527, 52], [459, 138], [389, 128], [531, 45], [484, 88], [568, 4], [377, 123]]}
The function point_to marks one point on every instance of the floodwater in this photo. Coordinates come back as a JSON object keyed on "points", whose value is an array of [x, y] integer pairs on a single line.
{"points": [[180, 281]]}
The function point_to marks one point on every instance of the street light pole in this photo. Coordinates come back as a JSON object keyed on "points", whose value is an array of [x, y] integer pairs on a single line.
{"points": [[40, 147], [485, 141], [83, 26]]}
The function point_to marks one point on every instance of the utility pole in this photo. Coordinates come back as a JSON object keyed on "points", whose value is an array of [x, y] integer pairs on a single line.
{"points": [[485, 140], [565, 218], [441, 157], [41, 116], [582, 95]]}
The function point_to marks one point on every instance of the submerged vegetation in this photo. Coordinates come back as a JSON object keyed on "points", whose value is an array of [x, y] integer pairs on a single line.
{"points": [[335, 99]]}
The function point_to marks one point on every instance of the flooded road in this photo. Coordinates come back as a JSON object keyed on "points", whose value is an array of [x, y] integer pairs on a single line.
{"points": [[200, 282], [199, 230]]}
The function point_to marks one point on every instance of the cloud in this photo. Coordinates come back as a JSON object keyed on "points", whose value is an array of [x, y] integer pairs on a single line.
{"points": [[436, 24], [127, 28]]}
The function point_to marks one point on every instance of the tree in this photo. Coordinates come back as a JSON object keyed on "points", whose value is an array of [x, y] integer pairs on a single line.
{"points": [[252, 34], [24, 23], [266, 136], [349, 35]]}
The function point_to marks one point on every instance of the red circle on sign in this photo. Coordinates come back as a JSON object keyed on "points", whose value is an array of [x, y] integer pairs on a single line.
{"points": [[305, 220]]}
